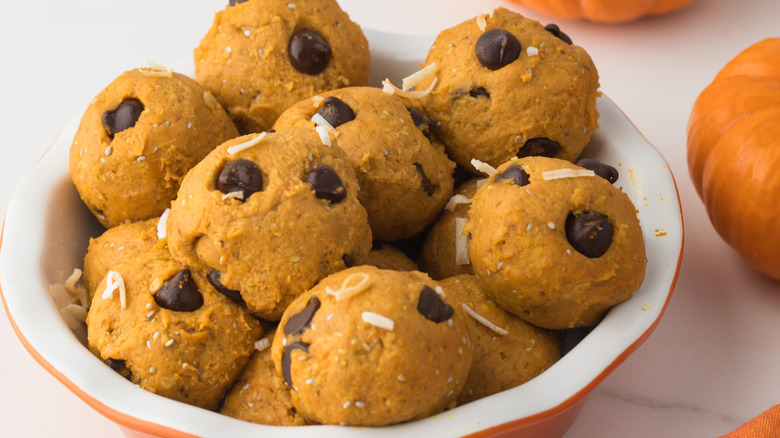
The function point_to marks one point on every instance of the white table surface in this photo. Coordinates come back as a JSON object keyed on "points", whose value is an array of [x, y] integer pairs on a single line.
{"points": [[710, 365]]}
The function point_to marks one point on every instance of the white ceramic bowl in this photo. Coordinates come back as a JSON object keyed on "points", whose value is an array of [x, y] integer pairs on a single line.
{"points": [[47, 228]]}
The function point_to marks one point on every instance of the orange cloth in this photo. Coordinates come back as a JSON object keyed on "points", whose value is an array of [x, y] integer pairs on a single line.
{"points": [[766, 425]]}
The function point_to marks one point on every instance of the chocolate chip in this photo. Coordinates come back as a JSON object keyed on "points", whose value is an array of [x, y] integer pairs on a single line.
{"points": [[589, 233], [123, 117], [270, 131], [336, 112], [555, 30], [432, 307], [479, 91], [427, 186], [214, 278], [348, 262], [327, 184], [298, 322], [421, 122], [309, 53], [516, 174], [287, 359], [543, 147], [179, 293], [236, 2], [497, 48], [240, 175], [603, 170], [117, 365]]}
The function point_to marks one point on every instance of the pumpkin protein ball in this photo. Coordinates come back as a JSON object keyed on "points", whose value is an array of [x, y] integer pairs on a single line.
{"points": [[507, 350], [372, 347], [261, 56], [138, 138], [168, 330], [260, 394], [405, 179], [508, 87], [554, 243], [267, 216]]}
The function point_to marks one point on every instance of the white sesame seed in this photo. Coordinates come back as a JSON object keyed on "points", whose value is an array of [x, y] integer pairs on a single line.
{"points": [[189, 125], [150, 314], [169, 343], [246, 386], [401, 378], [330, 317], [360, 404], [529, 227], [449, 393], [247, 32], [291, 6], [148, 305], [152, 370], [284, 341], [251, 405], [309, 381], [109, 150], [228, 49], [141, 158], [148, 344], [103, 160], [261, 53], [347, 404], [436, 371], [156, 335], [551, 225]]}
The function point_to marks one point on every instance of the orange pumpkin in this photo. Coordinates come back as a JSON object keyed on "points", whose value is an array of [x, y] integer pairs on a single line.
{"points": [[734, 154], [603, 11]]}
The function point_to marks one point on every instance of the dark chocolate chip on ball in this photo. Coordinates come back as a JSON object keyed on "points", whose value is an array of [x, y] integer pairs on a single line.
{"points": [[589, 233], [432, 307], [287, 359], [179, 293], [309, 53], [427, 185], [555, 30], [116, 364], [123, 117], [603, 170], [240, 176], [327, 184], [214, 278], [515, 173], [336, 112], [348, 261], [297, 323], [542, 147], [479, 92], [497, 48]]}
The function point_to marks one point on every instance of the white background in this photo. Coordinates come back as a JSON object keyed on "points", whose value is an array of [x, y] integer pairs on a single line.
{"points": [[711, 363]]}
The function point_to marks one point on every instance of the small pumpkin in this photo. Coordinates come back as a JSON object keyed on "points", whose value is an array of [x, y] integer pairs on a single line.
{"points": [[603, 11], [734, 154]]}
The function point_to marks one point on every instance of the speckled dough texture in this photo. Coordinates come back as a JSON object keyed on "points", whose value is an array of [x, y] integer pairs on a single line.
{"points": [[405, 180], [115, 246], [280, 241], [506, 356], [439, 257], [549, 91], [243, 59], [135, 174], [189, 356], [260, 394], [520, 251], [344, 369]]}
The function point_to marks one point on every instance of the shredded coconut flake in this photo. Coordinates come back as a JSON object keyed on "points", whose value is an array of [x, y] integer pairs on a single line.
{"points": [[346, 291], [378, 320], [156, 70], [232, 150], [461, 242], [323, 128], [238, 194], [262, 344], [483, 167], [324, 135], [415, 78], [455, 201], [78, 312], [114, 282], [390, 89], [162, 223], [482, 320], [532, 51], [316, 101], [566, 173]]}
